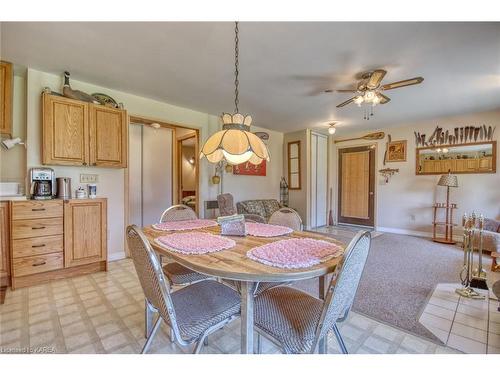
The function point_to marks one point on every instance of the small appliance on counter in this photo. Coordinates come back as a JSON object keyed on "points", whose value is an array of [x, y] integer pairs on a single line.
{"points": [[43, 183], [63, 187], [92, 190], [80, 193]]}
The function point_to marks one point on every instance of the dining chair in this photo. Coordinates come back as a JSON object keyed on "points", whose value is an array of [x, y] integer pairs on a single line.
{"points": [[298, 322], [286, 217], [193, 312], [176, 273]]}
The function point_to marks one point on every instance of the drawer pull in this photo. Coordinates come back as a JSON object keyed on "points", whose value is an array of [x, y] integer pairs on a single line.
{"points": [[38, 209], [39, 263], [37, 227], [42, 245]]}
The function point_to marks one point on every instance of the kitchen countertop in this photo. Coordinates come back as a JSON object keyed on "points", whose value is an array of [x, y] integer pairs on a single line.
{"points": [[8, 198]]}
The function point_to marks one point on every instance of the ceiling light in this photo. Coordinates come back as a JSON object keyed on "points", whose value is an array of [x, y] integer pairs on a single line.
{"points": [[369, 96], [155, 125], [9, 143], [358, 100], [332, 129], [235, 144]]}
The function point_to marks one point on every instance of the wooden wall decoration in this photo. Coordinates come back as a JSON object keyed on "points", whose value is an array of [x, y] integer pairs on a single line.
{"points": [[294, 173], [249, 169], [396, 151]]}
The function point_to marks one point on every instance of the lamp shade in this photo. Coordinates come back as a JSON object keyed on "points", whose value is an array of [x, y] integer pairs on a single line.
{"points": [[448, 180], [235, 143]]}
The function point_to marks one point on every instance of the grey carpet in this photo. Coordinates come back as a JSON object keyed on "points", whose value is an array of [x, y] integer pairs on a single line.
{"points": [[400, 273]]}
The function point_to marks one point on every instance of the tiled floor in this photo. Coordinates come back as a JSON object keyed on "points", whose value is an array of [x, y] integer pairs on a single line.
{"points": [[469, 325], [103, 313]]}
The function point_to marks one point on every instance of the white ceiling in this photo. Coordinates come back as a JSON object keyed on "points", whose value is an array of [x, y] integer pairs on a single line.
{"points": [[284, 66]]}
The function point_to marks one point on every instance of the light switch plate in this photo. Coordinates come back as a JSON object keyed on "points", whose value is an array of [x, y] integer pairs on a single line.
{"points": [[89, 178]]}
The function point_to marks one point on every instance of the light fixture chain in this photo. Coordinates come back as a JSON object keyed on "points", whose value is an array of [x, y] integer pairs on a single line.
{"points": [[236, 67]]}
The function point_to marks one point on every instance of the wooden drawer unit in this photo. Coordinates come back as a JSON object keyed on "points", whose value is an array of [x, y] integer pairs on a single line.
{"points": [[36, 228], [36, 209], [37, 246], [37, 264]]}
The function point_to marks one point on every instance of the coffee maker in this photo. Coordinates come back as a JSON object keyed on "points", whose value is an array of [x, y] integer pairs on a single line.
{"points": [[43, 183]]}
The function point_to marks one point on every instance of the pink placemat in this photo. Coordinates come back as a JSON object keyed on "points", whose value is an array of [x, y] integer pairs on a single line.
{"points": [[195, 242], [295, 253], [266, 230], [185, 224]]}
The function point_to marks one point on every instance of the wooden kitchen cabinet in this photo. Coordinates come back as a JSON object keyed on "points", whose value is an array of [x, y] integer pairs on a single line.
{"points": [[5, 97], [80, 133], [85, 231], [65, 131], [4, 249], [108, 136]]}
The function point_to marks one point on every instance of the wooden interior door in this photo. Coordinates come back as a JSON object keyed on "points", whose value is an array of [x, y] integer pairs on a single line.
{"points": [[108, 136], [65, 131], [85, 229], [5, 97], [356, 186]]}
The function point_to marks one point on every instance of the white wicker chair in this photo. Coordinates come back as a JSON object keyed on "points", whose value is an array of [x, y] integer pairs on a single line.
{"points": [[298, 322], [286, 217], [176, 273], [193, 312]]}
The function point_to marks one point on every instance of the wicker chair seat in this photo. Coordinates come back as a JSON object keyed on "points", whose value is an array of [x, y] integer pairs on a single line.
{"points": [[180, 275], [290, 316], [202, 305]]}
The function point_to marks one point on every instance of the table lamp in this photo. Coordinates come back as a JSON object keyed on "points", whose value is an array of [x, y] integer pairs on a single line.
{"points": [[448, 180]]}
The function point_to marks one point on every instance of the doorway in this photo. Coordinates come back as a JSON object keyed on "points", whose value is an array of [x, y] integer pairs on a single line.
{"points": [[187, 170], [356, 181]]}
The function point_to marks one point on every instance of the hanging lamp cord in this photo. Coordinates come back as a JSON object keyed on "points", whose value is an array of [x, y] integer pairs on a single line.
{"points": [[236, 67]]}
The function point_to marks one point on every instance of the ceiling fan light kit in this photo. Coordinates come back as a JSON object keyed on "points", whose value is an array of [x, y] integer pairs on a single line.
{"points": [[369, 91]]}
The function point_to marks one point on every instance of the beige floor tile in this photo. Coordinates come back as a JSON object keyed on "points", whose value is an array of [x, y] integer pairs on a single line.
{"points": [[75, 341], [65, 301], [107, 329], [377, 344], [450, 305], [11, 308], [415, 344], [113, 341], [63, 310], [70, 318], [45, 338], [439, 311], [87, 349], [471, 321], [388, 333], [96, 310], [89, 295], [96, 301], [10, 325], [73, 329], [40, 327], [466, 345], [39, 308], [469, 332], [102, 319], [494, 339], [494, 327], [429, 320], [9, 336]]}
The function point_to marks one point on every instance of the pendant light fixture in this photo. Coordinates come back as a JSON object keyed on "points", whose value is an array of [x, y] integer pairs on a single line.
{"points": [[235, 143]]}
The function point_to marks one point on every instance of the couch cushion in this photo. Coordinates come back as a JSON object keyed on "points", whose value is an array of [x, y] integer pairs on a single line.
{"points": [[270, 206], [252, 207], [492, 225]]}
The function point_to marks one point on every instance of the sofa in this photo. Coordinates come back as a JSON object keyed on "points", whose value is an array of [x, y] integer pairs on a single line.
{"points": [[491, 236], [262, 207]]}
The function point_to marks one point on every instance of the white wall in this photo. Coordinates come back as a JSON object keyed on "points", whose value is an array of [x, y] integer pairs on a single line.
{"points": [[259, 187], [404, 204], [111, 181]]}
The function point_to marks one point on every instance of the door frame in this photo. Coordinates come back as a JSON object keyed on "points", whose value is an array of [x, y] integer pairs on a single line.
{"points": [[178, 146], [371, 187]]}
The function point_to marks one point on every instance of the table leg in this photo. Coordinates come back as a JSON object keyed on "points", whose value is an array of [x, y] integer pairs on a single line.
{"points": [[323, 286], [247, 290]]}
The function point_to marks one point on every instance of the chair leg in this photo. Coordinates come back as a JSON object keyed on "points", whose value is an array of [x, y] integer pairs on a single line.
{"points": [[148, 317], [200, 344], [205, 341], [172, 337], [150, 338], [259, 343], [340, 340], [323, 345]]}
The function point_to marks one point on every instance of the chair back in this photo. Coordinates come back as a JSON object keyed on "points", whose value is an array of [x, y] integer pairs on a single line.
{"points": [[226, 204], [286, 217], [148, 267], [177, 213], [343, 287]]}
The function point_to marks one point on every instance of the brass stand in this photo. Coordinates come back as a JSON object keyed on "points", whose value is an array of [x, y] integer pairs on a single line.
{"points": [[467, 273]]}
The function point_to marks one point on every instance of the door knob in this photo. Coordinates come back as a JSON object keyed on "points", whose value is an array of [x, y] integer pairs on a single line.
{"points": [[371, 192]]}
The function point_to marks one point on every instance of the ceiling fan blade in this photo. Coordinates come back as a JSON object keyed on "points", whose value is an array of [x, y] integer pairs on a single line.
{"points": [[346, 90], [346, 102], [383, 99], [375, 78], [406, 82]]}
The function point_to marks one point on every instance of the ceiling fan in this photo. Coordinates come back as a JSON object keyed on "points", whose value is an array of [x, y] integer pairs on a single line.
{"points": [[369, 90]]}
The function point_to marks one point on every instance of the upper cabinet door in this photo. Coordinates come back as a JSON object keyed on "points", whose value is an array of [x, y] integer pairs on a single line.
{"points": [[65, 131], [108, 137], [5, 98]]}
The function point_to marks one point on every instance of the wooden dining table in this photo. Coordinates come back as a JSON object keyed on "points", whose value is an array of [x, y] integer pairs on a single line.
{"points": [[233, 264]]}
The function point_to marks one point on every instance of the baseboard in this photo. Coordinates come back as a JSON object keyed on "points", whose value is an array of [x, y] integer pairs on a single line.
{"points": [[116, 256], [410, 232]]}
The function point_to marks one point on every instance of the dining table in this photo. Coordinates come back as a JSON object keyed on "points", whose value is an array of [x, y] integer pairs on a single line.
{"points": [[234, 264]]}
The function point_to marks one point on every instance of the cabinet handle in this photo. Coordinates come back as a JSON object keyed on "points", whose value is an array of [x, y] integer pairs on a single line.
{"points": [[39, 263], [42, 245], [38, 209], [37, 228]]}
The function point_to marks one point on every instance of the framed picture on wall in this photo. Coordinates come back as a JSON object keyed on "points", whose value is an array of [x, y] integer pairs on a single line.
{"points": [[250, 169], [396, 151], [293, 156]]}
